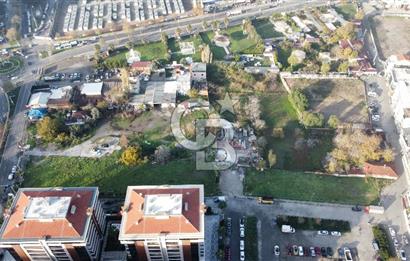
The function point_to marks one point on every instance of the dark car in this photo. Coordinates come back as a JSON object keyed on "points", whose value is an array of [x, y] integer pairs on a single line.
{"points": [[341, 252], [329, 251], [323, 251], [317, 251], [305, 251], [357, 208], [290, 250]]}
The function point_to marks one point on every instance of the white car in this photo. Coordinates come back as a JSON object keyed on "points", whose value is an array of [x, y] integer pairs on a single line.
{"points": [[242, 255], [376, 117], [242, 245], [242, 232], [11, 176], [241, 223], [348, 254], [392, 232], [372, 94], [402, 255], [323, 232], [336, 233], [276, 250], [14, 169]]}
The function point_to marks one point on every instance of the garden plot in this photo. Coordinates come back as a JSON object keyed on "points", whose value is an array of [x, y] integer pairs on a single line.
{"points": [[344, 98]]}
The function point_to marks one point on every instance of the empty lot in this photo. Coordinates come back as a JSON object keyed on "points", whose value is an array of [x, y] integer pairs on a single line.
{"points": [[344, 98], [392, 35]]}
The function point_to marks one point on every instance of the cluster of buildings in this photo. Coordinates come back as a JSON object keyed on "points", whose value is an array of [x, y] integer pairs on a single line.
{"points": [[158, 223]]}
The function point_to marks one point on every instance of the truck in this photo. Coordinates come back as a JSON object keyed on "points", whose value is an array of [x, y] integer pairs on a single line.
{"points": [[287, 229], [265, 200], [234, 12]]}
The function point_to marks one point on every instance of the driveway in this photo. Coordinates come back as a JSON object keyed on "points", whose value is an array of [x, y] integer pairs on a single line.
{"points": [[231, 182]]}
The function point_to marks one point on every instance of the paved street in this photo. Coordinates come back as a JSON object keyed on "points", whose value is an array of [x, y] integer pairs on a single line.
{"points": [[3, 106]]}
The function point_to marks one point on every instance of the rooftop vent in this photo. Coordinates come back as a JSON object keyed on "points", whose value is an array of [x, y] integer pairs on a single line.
{"points": [[73, 209]]}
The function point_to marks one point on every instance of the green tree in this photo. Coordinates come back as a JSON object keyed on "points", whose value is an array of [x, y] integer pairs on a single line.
{"points": [[333, 121], [131, 156], [311, 119], [343, 67], [12, 34], [226, 22], [164, 38], [189, 29], [204, 25], [215, 25], [47, 129], [299, 100], [293, 60], [178, 33], [325, 68]]}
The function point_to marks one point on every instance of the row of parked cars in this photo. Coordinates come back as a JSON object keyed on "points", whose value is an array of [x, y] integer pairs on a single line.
{"points": [[294, 250], [401, 253]]}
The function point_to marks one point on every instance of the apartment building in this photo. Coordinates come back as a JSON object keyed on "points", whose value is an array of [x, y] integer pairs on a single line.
{"points": [[164, 223], [54, 224]]}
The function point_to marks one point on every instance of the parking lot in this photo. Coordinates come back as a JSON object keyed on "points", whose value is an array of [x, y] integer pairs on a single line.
{"points": [[359, 240]]}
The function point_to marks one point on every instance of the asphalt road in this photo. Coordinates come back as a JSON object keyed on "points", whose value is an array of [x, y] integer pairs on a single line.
{"points": [[4, 108]]}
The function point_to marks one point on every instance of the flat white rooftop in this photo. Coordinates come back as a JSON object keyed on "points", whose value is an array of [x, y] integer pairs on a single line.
{"points": [[47, 207], [163, 205]]}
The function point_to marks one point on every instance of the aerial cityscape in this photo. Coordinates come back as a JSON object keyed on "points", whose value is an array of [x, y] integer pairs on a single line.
{"points": [[204, 130]]}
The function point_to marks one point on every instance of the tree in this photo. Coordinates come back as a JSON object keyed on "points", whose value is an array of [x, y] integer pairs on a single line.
{"points": [[271, 158], [333, 122], [311, 119], [387, 155], [359, 15], [97, 48], [47, 128], [102, 105], [129, 45], [189, 29], [131, 156], [215, 25], [226, 22], [204, 25], [206, 54], [343, 67], [298, 100], [325, 68], [178, 33], [12, 34], [111, 47], [125, 82], [95, 114], [101, 41], [164, 38], [293, 60], [16, 20], [162, 154]]}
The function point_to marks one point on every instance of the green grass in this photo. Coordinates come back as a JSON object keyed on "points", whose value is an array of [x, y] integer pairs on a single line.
{"points": [[311, 187], [240, 42], [348, 11], [121, 123], [218, 52], [251, 238], [112, 177], [152, 51], [173, 45], [10, 65], [265, 29]]}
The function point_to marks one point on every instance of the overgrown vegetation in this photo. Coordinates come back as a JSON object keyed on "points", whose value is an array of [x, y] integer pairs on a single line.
{"points": [[381, 237], [306, 223], [251, 238]]}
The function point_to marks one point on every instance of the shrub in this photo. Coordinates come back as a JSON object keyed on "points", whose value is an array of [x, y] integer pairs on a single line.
{"points": [[299, 100], [311, 119], [381, 238], [333, 121], [278, 133]]}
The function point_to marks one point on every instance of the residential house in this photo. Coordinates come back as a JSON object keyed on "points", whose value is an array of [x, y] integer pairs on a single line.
{"points": [[198, 72], [60, 98], [92, 92], [164, 223], [142, 67], [54, 224], [38, 100]]}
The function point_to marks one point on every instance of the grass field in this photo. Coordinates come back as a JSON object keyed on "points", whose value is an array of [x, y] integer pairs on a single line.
{"points": [[311, 187], [240, 42], [348, 11], [265, 29], [218, 52], [111, 177], [149, 51], [173, 46]]}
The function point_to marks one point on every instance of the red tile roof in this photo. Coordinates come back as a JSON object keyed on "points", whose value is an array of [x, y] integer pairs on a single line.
{"points": [[376, 170], [141, 64], [136, 222], [72, 226]]}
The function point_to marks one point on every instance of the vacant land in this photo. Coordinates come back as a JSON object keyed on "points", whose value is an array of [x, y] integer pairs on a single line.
{"points": [[176, 55], [392, 35], [218, 52], [344, 98], [149, 52], [311, 187], [240, 43], [112, 177], [265, 29], [298, 149]]}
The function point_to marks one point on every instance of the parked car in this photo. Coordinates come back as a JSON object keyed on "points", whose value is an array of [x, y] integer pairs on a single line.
{"points": [[336, 233], [14, 169], [375, 117], [276, 250], [329, 251], [323, 251], [357, 208], [402, 254], [300, 250], [242, 222], [305, 251], [11, 176], [395, 242], [290, 250], [242, 232], [323, 232], [312, 252], [405, 240], [317, 251], [242, 255], [242, 245], [348, 254], [341, 252], [295, 250], [392, 232], [372, 94]]}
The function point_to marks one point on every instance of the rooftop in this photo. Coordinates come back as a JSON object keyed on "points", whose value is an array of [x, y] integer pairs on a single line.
{"points": [[55, 213], [172, 210], [198, 67], [92, 88]]}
